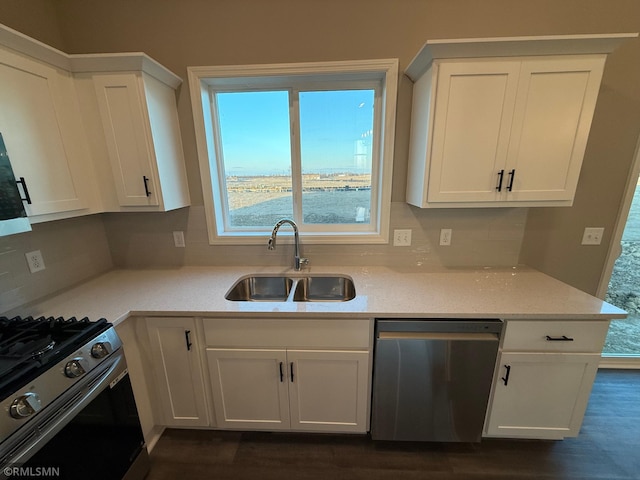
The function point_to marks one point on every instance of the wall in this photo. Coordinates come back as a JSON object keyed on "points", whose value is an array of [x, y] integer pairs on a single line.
{"points": [[216, 32], [73, 250], [35, 18]]}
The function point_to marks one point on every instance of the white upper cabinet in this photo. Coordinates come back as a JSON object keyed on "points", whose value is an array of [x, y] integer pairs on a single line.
{"points": [[123, 119], [552, 117], [42, 129], [490, 128], [471, 129], [90, 133], [142, 135]]}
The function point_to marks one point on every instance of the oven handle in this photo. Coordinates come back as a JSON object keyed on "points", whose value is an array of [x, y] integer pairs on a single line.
{"points": [[63, 410]]}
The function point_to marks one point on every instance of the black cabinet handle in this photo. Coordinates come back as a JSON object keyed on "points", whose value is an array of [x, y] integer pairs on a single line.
{"points": [[563, 338], [500, 178], [146, 186], [505, 379], [187, 337], [512, 175], [291, 368], [281, 373], [23, 182]]}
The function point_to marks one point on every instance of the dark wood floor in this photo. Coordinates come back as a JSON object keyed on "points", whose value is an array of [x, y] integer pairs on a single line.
{"points": [[608, 448]]}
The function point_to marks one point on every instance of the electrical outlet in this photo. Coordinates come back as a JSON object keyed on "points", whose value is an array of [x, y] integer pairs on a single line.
{"points": [[35, 261], [445, 237], [402, 238], [178, 239], [592, 236]]}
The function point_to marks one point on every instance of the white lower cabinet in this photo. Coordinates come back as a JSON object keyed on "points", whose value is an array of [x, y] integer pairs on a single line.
{"points": [[175, 352], [543, 378], [541, 395], [248, 392], [300, 375], [315, 390], [328, 390]]}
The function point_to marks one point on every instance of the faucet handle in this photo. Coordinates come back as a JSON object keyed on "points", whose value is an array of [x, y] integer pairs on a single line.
{"points": [[304, 261]]}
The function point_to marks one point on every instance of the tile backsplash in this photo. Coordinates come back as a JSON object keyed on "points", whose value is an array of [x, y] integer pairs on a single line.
{"points": [[73, 250], [481, 237]]}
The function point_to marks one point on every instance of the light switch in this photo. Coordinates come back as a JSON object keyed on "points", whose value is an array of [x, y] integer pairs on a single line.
{"points": [[402, 238], [178, 239], [445, 237]]}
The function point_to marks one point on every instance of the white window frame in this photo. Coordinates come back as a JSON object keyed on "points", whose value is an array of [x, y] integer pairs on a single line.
{"points": [[383, 72]]}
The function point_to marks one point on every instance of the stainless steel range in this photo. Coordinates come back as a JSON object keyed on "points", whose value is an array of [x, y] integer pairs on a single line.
{"points": [[67, 406]]}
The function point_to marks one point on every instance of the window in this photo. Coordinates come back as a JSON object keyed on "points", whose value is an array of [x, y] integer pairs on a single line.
{"points": [[308, 142]]}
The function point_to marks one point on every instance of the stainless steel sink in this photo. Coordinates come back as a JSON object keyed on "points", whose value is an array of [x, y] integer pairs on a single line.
{"points": [[310, 288], [257, 288], [324, 289]]}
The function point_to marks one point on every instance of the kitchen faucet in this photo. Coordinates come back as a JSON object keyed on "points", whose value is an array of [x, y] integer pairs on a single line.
{"points": [[272, 242]]}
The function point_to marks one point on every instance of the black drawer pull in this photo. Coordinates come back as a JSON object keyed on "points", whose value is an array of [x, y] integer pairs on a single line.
{"points": [[512, 175], [146, 186], [281, 373], [563, 338], [500, 178], [187, 337], [505, 379], [23, 182], [291, 372]]}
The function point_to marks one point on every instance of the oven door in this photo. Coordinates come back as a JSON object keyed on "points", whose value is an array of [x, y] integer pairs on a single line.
{"points": [[92, 432]]}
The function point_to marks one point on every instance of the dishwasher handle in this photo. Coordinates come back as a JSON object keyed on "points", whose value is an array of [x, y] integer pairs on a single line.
{"points": [[437, 336]]}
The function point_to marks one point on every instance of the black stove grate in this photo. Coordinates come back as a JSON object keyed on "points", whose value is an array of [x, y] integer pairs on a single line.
{"points": [[29, 346]]}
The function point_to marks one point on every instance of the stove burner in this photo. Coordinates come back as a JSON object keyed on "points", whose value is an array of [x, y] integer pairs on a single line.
{"points": [[46, 349], [30, 344]]}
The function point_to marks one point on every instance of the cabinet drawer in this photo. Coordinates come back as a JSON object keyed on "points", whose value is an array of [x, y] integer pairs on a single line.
{"points": [[550, 336], [266, 332]]}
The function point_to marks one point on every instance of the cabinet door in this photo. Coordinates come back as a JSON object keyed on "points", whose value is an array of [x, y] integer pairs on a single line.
{"points": [[34, 122], [178, 373], [554, 107], [250, 389], [128, 138], [328, 390], [471, 125], [541, 395]]}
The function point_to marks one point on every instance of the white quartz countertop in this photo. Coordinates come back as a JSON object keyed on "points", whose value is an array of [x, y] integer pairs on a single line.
{"points": [[507, 293]]}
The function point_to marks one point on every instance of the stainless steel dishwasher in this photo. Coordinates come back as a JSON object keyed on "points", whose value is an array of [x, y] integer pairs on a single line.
{"points": [[432, 378]]}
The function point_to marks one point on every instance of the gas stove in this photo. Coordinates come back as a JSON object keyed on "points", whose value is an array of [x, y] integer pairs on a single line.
{"points": [[65, 387], [42, 358]]}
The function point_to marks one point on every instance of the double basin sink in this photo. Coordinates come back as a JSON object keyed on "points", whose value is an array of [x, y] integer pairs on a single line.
{"points": [[292, 288]]}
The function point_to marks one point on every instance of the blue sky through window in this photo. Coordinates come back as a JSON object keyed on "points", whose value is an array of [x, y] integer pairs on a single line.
{"points": [[255, 132], [335, 131]]}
